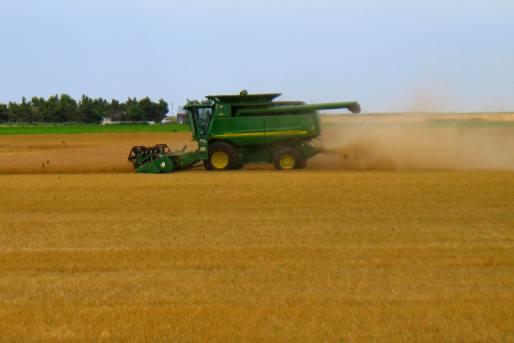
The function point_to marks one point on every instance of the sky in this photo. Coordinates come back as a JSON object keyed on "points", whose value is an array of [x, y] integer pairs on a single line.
{"points": [[397, 55]]}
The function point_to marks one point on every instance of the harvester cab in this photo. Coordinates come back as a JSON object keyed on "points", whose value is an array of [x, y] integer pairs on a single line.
{"points": [[199, 115], [233, 130]]}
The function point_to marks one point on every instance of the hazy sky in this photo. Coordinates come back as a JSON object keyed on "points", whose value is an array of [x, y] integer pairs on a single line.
{"points": [[395, 55]]}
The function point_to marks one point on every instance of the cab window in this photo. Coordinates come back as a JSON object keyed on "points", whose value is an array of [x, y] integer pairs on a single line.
{"points": [[204, 117]]}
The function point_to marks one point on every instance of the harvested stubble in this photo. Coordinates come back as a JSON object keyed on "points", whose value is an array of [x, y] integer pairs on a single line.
{"points": [[78, 153], [258, 255]]}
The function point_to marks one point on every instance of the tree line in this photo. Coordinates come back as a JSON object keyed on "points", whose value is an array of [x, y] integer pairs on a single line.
{"points": [[65, 109]]}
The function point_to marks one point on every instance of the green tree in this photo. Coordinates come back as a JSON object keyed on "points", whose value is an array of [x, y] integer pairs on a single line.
{"points": [[116, 111], [153, 111], [20, 113], [48, 110], [100, 107], [67, 109], [91, 110], [162, 110], [13, 112], [38, 106], [63, 108], [55, 112], [148, 108], [4, 113], [134, 111]]}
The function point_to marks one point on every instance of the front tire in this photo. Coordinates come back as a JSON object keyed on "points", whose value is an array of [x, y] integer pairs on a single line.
{"points": [[222, 156], [288, 159]]}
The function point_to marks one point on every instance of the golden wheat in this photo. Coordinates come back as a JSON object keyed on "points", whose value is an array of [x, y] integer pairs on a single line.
{"points": [[258, 255]]}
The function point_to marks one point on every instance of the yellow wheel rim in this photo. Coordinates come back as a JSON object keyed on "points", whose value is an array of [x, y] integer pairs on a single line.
{"points": [[219, 160], [287, 161]]}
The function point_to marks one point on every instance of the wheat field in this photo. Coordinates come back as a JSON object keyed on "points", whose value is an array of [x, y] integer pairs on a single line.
{"points": [[316, 256], [395, 235]]}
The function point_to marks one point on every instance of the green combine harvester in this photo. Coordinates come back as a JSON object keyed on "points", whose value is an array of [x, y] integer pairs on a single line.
{"points": [[233, 130]]}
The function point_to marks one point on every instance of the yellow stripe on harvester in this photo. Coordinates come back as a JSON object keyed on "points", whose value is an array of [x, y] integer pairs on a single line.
{"points": [[286, 133], [262, 133]]}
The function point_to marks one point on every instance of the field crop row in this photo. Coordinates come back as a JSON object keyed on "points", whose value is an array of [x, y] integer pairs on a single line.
{"points": [[322, 256]]}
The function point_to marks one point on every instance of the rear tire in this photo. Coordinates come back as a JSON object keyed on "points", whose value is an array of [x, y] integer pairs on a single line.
{"points": [[288, 159], [222, 156]]}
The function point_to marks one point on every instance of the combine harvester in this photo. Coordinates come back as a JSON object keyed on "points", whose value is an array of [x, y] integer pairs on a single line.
{"points": [[232, 130]]}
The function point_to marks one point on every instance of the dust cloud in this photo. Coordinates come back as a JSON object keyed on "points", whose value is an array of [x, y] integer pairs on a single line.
{"points": [[381, 143]]}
